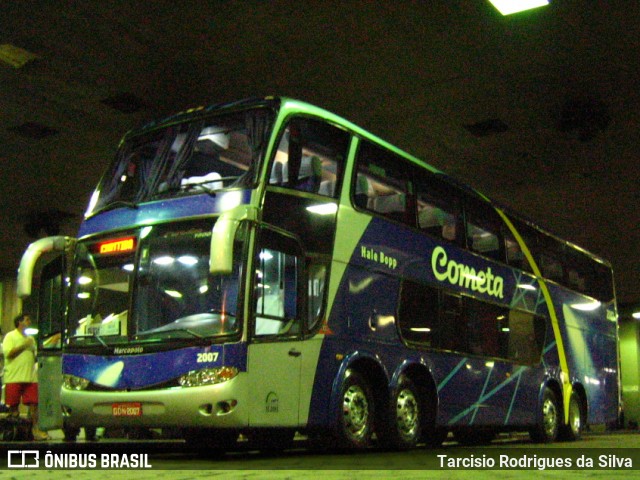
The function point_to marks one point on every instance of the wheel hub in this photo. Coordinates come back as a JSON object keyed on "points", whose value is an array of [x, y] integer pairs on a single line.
{"points": [[355, 411]]}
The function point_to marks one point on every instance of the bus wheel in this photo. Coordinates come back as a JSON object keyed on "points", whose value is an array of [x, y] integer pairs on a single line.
{"points": [[548, 421], [402, 425], [573, 430], [355, 419]]}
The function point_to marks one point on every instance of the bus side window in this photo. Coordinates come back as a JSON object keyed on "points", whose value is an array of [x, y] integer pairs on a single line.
{"points": [[277, 287], [310, 157], [437, 209], [382, 184], [487, 325], [316, 294], [454, 331], [484, 230], [525, 337], [418, 314]]}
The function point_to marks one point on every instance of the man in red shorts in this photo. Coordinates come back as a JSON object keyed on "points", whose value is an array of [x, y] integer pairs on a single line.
{"points": [[20, 374]]}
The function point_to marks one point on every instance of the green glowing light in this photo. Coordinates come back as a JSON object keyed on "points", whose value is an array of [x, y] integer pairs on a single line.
{"points": [[507, 7]]}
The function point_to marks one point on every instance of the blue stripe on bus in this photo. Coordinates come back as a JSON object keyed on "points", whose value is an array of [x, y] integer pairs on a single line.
{"points": [[451, 374], [164, 210], [485, 397], [144, 370], [513, 397]]}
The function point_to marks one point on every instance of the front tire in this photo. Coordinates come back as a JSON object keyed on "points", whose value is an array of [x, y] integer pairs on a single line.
{"points": [[549, 418], [356, 412]]}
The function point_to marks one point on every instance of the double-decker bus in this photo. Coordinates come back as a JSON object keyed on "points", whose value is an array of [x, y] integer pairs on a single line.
{"points": [[266, 267]]}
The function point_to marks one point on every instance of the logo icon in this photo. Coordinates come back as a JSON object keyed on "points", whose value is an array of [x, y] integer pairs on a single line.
{"points": [[23, 459]]}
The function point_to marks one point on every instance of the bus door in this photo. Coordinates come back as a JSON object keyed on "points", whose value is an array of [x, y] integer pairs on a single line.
{"points": [[276, 351], [50, 321]]}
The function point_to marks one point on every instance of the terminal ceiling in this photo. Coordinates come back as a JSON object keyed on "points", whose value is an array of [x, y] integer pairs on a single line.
{"points": [[540, 111]]}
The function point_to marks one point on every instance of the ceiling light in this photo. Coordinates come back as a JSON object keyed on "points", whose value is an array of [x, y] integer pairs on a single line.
{"points": [[164, 260], [507, 7], [15, 56], [636, 315], [188, 260]]}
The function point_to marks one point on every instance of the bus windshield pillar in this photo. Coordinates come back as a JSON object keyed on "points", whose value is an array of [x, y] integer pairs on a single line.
{"points": [[223, 236]]}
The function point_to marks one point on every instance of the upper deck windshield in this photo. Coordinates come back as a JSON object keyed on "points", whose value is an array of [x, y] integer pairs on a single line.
{"points": [[203, 155], [152, 284]]}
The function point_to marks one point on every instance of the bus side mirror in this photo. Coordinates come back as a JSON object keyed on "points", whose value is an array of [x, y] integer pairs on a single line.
{"points": [[34, 251], [223, 237]]}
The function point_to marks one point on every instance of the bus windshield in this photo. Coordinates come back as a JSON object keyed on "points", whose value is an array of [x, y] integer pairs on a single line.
{"points": [[154, 284], [204, 155]]}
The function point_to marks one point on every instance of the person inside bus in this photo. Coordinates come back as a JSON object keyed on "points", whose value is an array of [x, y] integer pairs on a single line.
{"points": [[205, 167], [21, 377]]}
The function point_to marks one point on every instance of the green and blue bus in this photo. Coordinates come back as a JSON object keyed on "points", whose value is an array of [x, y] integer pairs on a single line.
{"points": [[265, 267]]}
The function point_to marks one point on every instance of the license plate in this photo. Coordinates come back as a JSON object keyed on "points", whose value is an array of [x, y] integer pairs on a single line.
{"points": [[129, 409]]}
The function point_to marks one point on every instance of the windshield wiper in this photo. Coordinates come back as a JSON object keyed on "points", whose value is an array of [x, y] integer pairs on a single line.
{"points": [[200, 186], [99, 338], [169, 331], [197, 186], [114, 205]]}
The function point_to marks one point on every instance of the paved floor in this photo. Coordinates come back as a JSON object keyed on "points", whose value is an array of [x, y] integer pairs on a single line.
{"points": [[171, 460]]}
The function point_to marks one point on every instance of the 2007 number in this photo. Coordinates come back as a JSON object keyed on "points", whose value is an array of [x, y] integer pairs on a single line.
{"points": [[207, 357]]}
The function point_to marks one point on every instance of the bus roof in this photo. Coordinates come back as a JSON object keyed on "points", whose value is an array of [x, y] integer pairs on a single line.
{"points": [[288, 105]]}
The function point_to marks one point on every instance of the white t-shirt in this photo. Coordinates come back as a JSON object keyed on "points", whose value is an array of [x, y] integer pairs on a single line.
{"points": [[22, 369]]}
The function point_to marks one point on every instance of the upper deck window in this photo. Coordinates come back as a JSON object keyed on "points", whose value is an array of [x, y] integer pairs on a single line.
{"points": [[382, 184], [310, 157], [199, 156], [438, 208], [484, 230]]}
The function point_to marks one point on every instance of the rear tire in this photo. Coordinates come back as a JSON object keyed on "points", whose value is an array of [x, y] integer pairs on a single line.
{"points": [[355, 412], [402, 422], [573, 430], [549, 418]]}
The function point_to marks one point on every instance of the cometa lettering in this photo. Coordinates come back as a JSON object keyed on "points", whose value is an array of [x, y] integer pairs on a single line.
{"points": [[483, 281]]}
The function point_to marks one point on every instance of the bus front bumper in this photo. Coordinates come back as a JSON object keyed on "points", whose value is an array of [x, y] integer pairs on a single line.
{"points": [[212, 406]]}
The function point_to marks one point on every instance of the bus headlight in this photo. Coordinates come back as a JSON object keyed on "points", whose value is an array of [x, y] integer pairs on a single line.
{"points": [[71, 382], [207, 376]]}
